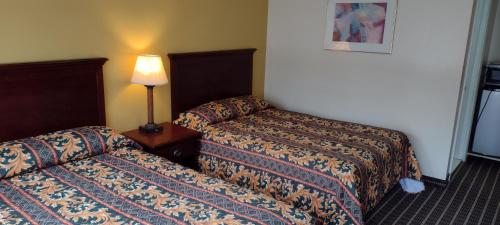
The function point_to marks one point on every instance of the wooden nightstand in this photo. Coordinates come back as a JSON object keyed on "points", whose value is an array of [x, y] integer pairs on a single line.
{"points": [[177, 144]]}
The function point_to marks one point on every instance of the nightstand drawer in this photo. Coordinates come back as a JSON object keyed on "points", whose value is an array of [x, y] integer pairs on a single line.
{"points": [[180, 151], [175, 143]]}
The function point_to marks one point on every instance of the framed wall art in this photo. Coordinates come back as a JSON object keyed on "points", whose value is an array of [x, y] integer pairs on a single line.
{"points": [[360, 25]]}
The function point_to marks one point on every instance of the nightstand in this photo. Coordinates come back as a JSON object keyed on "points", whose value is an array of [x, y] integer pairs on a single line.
{"points": [[175, 143]]}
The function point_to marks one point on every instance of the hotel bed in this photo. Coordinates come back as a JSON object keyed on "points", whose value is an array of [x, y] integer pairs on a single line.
{"points": [[338, 171], [91, 174]]}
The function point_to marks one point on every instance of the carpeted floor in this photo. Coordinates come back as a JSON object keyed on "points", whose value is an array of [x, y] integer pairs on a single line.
{"points": [[471, 197]]}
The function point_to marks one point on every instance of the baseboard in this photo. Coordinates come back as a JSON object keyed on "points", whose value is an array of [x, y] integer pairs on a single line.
{"points": [[434, 181]]}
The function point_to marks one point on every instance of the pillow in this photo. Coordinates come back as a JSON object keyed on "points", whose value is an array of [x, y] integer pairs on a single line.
{"points": [[220, 110], [192, 120], [25, 155], [245, 105]]}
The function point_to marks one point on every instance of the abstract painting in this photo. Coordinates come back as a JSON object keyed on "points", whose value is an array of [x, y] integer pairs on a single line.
{"points": [[360, 25]]}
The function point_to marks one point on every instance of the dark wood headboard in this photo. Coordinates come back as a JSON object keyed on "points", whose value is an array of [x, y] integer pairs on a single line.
{"points": [[41, 97], [201, 77]]}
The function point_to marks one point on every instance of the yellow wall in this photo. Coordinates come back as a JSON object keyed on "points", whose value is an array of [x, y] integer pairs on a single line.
{"points": [[34, 30]]}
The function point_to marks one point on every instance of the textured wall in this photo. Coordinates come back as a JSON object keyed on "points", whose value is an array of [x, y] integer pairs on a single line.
{"points": [[32, 30]]}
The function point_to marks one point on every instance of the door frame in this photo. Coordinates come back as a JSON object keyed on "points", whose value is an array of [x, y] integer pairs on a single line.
{"points": [[470, 82]]}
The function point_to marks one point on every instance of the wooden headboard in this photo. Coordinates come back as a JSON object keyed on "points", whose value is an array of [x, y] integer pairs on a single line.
{"points": [[41, 97], [201, 77]]}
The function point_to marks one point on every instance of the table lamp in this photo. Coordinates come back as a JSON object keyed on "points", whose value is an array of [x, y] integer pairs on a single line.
{"points": [[149, 71]]}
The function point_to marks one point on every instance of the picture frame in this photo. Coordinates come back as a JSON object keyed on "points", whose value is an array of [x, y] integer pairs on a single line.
{"points": [[360, 25]]}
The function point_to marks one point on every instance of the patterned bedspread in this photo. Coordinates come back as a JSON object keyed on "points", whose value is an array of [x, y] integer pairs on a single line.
{"points": [[128, 186], [336, 170]]}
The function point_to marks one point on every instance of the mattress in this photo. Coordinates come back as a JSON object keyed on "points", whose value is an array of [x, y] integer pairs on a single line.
{"points": [[121, 185], [338, 171]]}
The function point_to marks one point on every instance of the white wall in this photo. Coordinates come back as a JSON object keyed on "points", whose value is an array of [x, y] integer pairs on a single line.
{"points": [[415, 89]]}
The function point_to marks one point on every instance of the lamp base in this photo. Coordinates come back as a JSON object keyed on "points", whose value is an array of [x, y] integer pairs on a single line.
{"points": [[151, 128]]}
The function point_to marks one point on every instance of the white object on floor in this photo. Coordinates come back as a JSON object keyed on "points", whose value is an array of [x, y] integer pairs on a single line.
{"points": [[411, 185]]}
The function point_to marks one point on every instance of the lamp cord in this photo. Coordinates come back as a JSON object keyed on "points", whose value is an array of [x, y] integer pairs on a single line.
{"points": [[484, 106]]}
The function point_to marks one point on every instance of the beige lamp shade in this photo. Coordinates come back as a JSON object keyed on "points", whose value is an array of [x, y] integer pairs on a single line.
{"points": [[149, 71]]}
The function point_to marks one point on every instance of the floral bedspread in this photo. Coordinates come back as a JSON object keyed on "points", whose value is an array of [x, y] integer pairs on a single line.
{"points": [[336, 170], [121, 186]]}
